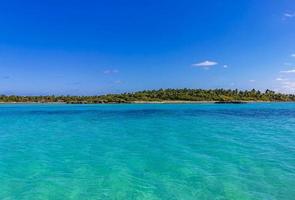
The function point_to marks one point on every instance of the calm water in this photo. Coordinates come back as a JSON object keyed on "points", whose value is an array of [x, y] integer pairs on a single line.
{"points": [[147, 152]]}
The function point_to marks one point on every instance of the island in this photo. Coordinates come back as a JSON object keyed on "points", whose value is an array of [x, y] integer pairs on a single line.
{"points": [[161, 96]]}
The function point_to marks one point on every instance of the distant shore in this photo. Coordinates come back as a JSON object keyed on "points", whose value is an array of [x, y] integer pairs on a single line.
{"points": [[152, 102], [33, 102], [187, 102], [161, 96]]}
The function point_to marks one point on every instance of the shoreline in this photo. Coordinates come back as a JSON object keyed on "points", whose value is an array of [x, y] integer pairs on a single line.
{"points": [[150, 102]]}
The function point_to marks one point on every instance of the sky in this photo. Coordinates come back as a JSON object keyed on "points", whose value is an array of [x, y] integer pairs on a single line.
{"points": [[111, 46]]}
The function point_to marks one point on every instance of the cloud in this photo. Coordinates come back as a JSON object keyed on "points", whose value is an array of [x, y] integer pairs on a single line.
{"points": [[205, 64], [252, 80], [289, 15], [288, 64], [289, 85], [293, 55], [111, 71], [288, 71], [287, 81], [281, 79], [225, 66]]}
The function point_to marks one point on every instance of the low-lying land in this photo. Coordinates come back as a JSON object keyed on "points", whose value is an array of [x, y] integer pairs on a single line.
{"points": [[161, 96]]}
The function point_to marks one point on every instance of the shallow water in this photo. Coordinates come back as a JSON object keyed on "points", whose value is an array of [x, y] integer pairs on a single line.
{"points": [[191, 151]]}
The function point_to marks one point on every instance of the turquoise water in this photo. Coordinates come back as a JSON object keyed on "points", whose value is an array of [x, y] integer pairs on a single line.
{"points": [[170, 152]]}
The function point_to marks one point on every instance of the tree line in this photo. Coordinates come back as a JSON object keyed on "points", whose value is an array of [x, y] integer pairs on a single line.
{"points": [[220, 95]]}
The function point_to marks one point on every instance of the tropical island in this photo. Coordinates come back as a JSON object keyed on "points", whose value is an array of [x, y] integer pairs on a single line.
{"points": [[161, 96]]}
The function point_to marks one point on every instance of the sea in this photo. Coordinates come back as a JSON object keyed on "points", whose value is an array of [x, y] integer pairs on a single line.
{"points": [[147, 151]]}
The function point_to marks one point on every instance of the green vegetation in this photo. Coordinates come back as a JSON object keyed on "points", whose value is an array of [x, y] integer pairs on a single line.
{"points": [[160, 95]]}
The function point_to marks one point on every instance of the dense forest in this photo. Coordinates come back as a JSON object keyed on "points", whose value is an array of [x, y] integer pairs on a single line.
{"points": [[217, 95]]}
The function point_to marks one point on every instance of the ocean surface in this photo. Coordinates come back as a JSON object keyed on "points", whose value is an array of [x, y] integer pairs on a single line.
{"points": [[181, 151]]}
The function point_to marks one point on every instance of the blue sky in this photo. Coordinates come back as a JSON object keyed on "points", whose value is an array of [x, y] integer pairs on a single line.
{"points": [[110, 46]]}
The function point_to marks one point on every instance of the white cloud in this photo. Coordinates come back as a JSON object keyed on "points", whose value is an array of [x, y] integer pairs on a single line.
{"points": [[289, 15], [110, 71], [281, 79], [289, 84], [225, 66], [293, 55], [252, 81], [288, 71], [287, 81], [205, 64]]}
